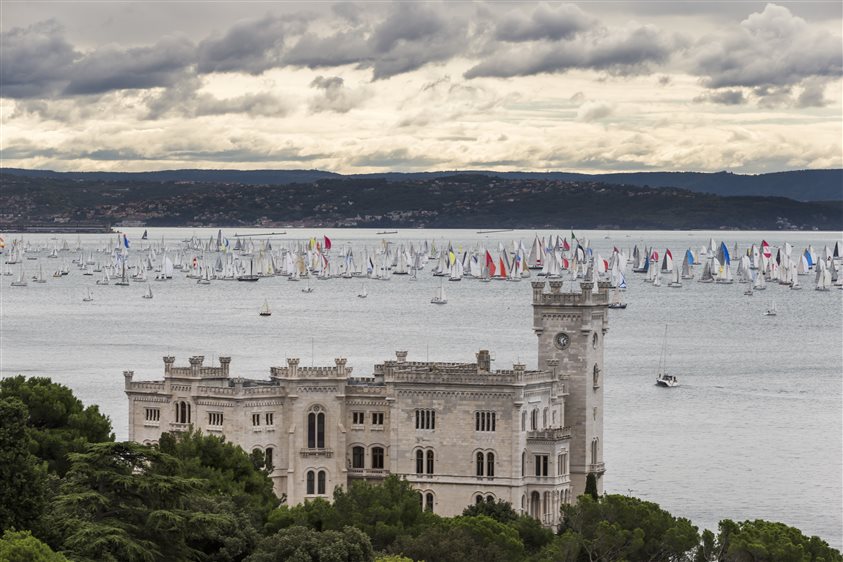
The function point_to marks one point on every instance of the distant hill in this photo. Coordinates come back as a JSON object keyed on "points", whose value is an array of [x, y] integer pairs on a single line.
{"points": [[800, 185], [455, 201]]}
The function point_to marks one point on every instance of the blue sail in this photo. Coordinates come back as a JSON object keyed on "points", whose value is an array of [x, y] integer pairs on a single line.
{"points": [[725, 250]]}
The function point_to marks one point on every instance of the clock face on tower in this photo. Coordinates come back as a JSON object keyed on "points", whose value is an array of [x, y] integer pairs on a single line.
{"points": [[561, 340]]}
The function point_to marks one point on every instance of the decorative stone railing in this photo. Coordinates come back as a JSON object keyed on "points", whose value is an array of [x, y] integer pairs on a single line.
{"points": [[550, 434], [598, 468], [316, 453], [368, 472]]}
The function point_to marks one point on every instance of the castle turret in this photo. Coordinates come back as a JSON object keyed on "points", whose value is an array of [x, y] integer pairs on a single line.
{"points": [[570, 329], [484, 361], [225, 363]]}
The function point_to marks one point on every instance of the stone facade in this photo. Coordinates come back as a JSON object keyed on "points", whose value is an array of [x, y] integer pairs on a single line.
{"points": [[459, 432]]}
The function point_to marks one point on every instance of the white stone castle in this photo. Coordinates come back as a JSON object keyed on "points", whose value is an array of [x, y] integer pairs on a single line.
{"points": [[459, 432]]}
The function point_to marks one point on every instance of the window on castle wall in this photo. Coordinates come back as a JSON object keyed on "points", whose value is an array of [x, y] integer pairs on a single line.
{"points": [[268, 456], [478, 499], [523, 421], [541, 465], [544, 419], [425, 419], [554, 418], [480, 464], [269, 418], [534, 419], [316, 430], [377, 457], [320, 480], [523, 463], [377, 418], [152, 414], [357, 454], [596, 375], [428, 504], [358, 418], [430, 462], [490, 464], [311, 482], [490, 499], [256, 420], [419, 462]]}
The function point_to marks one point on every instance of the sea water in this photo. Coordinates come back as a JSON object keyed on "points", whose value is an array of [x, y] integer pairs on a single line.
{"points": [[754, 430]]}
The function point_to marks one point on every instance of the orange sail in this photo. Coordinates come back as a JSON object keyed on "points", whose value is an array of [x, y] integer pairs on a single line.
{"points": [[502, 269]]}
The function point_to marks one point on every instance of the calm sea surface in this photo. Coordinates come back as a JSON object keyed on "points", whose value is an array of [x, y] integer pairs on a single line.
{"points": [[755, 430]]}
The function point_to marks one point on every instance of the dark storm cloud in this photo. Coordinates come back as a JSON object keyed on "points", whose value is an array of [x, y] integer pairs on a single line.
{"points": [[250, 46], [34, 61], [544, 22], [410, 36], [627, 51], [139, 68], [769, 48], [724, 97]]}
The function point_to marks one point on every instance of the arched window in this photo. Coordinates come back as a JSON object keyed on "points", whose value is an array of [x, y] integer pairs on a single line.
{"points": [[478, 499], [534, 419], [428, 504], [594, 450], [490, 464], [268, 456], [490, 499], [523, 462], [554, 417], [182, 412], [311, 482], [430, 465], [419, 462], [479, 464], [544, 418], [316, 428], [523, 503], [596, 376], [524, 420], [377, 457], [357, 457], [321, 483], [535, 505]]}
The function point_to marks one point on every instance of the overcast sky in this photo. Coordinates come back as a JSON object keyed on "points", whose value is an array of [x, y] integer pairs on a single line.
{"points": [[363, 87]]}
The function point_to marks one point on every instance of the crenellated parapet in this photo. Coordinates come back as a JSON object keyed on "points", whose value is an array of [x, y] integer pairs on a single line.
{"points": [[340, 370], [197, 368], [585, 297]]}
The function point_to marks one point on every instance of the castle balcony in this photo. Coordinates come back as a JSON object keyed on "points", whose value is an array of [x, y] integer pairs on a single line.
{"points": [[179, 426], [327, 453], [550, 434], [597, 468], [368, 473]]}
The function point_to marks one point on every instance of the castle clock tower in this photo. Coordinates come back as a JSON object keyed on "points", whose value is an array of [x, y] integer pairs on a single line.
{"points": [[570, 329]]}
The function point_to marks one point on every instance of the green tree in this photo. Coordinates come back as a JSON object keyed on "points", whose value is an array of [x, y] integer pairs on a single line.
{"points": [[22, 480], [383, 511], [619, 527], [317, 514], [226, 467], [302, 544], [765, 541], [128, 502], [21, 546], [499, 510], [591, 486], [463, 539], [58, 422], [563, 548]]}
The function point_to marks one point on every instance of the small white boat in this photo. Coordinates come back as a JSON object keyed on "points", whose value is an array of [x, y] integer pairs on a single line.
{"points": [[40, 277], [439, 297], [88, 296], [662, 378], [363, 293], [148, 294], [265, 309], [307, 287]]}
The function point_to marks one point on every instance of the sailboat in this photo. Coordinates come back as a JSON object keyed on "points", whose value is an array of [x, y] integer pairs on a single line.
{"points": [[265, 309], [662, 378], [40, 277], [88, 296], [363, 294], [771, 310], [307, 287], [148, 294], [21, 280], [616, 301], [676, 282], [251, 276], [439, 297]]}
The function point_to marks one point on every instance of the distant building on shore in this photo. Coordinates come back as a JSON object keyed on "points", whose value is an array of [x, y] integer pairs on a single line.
{"points": [[459, 432]]}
